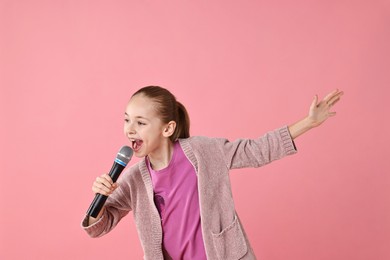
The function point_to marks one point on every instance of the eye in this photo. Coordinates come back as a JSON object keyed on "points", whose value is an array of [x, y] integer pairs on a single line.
{"points": [[127, 120], [141, 123]]}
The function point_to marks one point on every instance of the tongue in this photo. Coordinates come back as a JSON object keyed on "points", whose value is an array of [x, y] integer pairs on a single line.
{"points": [[137, 144]]}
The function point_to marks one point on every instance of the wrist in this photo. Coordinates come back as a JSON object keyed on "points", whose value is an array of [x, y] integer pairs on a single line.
{"points": [[301, 127], [309, 123]]}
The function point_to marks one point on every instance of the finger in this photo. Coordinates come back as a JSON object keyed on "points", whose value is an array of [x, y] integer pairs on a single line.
{"points": [[335, 99], [100, 188], [330, 95], [314, 102], [332, 114], [113, 185], [333, 102], [103, 185], [105, 180]]}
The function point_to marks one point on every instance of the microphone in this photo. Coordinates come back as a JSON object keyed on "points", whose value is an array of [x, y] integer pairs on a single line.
{"points": [[121, 160]]}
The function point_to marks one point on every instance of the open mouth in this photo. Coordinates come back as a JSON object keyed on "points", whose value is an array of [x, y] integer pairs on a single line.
{"points": [[136, 144]]}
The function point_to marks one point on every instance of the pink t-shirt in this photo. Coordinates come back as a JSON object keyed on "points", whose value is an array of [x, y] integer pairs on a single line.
{"points": [[176, 198]]}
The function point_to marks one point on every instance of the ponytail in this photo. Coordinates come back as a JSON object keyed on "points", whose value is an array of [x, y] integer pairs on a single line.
{"points": [[182, 123]]}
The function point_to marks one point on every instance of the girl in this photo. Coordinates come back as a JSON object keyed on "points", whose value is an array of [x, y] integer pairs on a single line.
{"points": [[180, 192]]}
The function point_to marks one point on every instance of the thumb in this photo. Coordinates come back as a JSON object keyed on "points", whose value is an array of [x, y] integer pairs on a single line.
{"points": [[314, 102]]}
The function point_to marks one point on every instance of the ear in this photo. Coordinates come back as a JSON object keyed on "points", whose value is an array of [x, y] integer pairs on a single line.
{"points": [[169, 129]]}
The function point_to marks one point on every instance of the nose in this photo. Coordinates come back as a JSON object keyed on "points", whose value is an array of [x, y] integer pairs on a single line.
{"points": [[130, 130]]}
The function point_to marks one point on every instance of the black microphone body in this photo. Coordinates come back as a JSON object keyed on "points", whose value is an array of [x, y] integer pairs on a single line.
{"points": [[120, 163]]}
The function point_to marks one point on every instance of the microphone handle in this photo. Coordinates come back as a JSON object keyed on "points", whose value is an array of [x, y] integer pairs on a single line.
{"points": [[116, 171], [96, 205], [99, 200]]}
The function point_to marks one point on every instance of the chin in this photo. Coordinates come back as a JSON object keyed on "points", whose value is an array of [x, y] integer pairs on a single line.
{"points": [[139, 154]]}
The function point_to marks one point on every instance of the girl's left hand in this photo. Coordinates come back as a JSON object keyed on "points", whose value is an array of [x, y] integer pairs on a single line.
{"points": [[320, 111]]}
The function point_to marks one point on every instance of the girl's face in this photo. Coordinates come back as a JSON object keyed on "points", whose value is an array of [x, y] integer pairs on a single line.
{"points": [[143, 127]]}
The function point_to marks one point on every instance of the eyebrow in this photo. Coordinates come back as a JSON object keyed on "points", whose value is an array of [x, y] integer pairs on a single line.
{"points": [[141, 117]]}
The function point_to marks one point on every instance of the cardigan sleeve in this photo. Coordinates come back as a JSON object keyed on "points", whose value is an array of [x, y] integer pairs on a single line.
{"points": [[272, 146]]}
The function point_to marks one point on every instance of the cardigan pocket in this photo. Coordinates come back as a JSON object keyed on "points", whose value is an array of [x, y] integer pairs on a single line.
{"points": [[230, 243]]}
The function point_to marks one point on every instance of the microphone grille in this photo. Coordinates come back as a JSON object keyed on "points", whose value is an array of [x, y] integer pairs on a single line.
{"points": [[124, 154]]}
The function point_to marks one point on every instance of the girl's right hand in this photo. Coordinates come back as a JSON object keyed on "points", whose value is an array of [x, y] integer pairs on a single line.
{"points": [[104, 185]]}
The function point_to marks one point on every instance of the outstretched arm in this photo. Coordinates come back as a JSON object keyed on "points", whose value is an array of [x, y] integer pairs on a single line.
{"points": [[318, 113]]}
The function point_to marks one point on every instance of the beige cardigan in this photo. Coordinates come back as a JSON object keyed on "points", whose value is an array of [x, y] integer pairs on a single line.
{"points": [[212, 158]]}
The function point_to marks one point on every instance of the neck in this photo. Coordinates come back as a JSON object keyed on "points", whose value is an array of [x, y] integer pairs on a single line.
{"points": [[161, 159]]}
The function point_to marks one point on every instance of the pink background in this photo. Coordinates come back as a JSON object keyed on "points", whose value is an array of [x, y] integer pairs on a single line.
{"points": [[241, 68]]}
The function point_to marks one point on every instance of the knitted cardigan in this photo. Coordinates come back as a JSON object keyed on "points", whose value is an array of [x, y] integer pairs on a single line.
{"points": [[223, 234]]}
